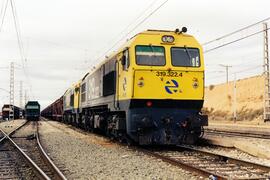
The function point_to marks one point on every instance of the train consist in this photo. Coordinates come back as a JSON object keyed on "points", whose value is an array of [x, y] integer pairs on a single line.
{"points": [[54, 111], [150, 91], [32, 111], [7, 110]]}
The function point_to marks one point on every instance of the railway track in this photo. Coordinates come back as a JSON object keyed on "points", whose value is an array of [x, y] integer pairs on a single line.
{"points": [[261, 135], [207, 164], [1, 136], [210, 165], [22, 155]]}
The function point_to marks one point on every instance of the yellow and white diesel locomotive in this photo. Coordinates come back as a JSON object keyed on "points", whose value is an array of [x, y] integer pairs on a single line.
{"points": [[151, 91]]}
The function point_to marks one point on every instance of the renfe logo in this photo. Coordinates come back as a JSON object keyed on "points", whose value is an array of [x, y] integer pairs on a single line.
{"points": [[171, 86]]}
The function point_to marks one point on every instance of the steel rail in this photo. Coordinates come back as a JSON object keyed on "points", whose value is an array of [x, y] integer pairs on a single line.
{"points": [[35, 167], [200, 170], [228, 158], [12, 132], [2, 138], [58, 173], [41, 174], [237, 133], [180, 164]]}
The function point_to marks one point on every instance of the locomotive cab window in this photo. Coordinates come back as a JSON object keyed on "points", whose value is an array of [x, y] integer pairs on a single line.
{"points": [[83, 92], [150, 55], [185, 57], [125, 60], [71, 102], [32, 107]]}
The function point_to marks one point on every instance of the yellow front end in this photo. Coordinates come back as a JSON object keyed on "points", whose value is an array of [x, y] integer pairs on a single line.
{"points": [[159, 84], [161, 69], [77, 95]]}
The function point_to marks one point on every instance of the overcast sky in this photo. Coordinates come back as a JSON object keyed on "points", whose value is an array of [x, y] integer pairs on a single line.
{"points": [[62, 39]]}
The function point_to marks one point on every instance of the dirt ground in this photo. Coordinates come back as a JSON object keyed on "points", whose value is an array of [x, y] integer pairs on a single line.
{"points": [[219, 101]]}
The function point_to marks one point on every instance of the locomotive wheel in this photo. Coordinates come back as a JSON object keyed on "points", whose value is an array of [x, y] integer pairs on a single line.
{"points": [[84, 126]]}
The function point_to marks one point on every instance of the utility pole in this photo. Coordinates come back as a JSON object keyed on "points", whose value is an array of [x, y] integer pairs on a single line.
{"points": [[266, 103], [234, 99], [227, 71], [21, 98], [21, 94], [25, 97], [11, 92]]}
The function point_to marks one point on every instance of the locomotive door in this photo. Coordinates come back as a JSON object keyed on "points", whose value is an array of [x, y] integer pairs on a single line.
{"points": [[117, 76], [124, 76]]}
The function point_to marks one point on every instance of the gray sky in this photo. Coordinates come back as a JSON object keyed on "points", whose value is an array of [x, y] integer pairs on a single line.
{"points": [[62, 39]]}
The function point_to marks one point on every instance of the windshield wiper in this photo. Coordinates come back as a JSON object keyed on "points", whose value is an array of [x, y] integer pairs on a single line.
{"points": [[188, 53], [152, 49]]}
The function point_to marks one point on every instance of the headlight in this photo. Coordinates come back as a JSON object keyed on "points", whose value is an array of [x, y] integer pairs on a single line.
{"points": [[195, 83], [167, 39], [141, 82]]}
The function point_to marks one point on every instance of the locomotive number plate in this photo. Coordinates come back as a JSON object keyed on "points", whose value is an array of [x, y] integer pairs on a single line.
{"points": [[169, 74]]}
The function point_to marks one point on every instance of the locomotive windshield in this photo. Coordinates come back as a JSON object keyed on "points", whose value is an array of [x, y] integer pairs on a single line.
{"points": [[32, 107], [150, 55], [185, 57]]}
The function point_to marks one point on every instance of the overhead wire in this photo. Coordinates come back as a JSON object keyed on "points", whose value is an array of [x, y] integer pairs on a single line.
{"points": [[132, 22], [237, 40], [234, 72], [20, 44], [3, 13], [237, 31], [7, 91], [234, 41], [56, 44], [246, 61], [248, 69], [135, 27], [2, 8]]}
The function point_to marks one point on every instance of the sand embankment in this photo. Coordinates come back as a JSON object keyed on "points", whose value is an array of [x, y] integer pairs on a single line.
{"points": [[219, 100]]}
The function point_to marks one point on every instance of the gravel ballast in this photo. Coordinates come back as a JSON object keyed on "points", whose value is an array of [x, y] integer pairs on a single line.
{"points": [[87, 156], [262, 144], [9, 126]]}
